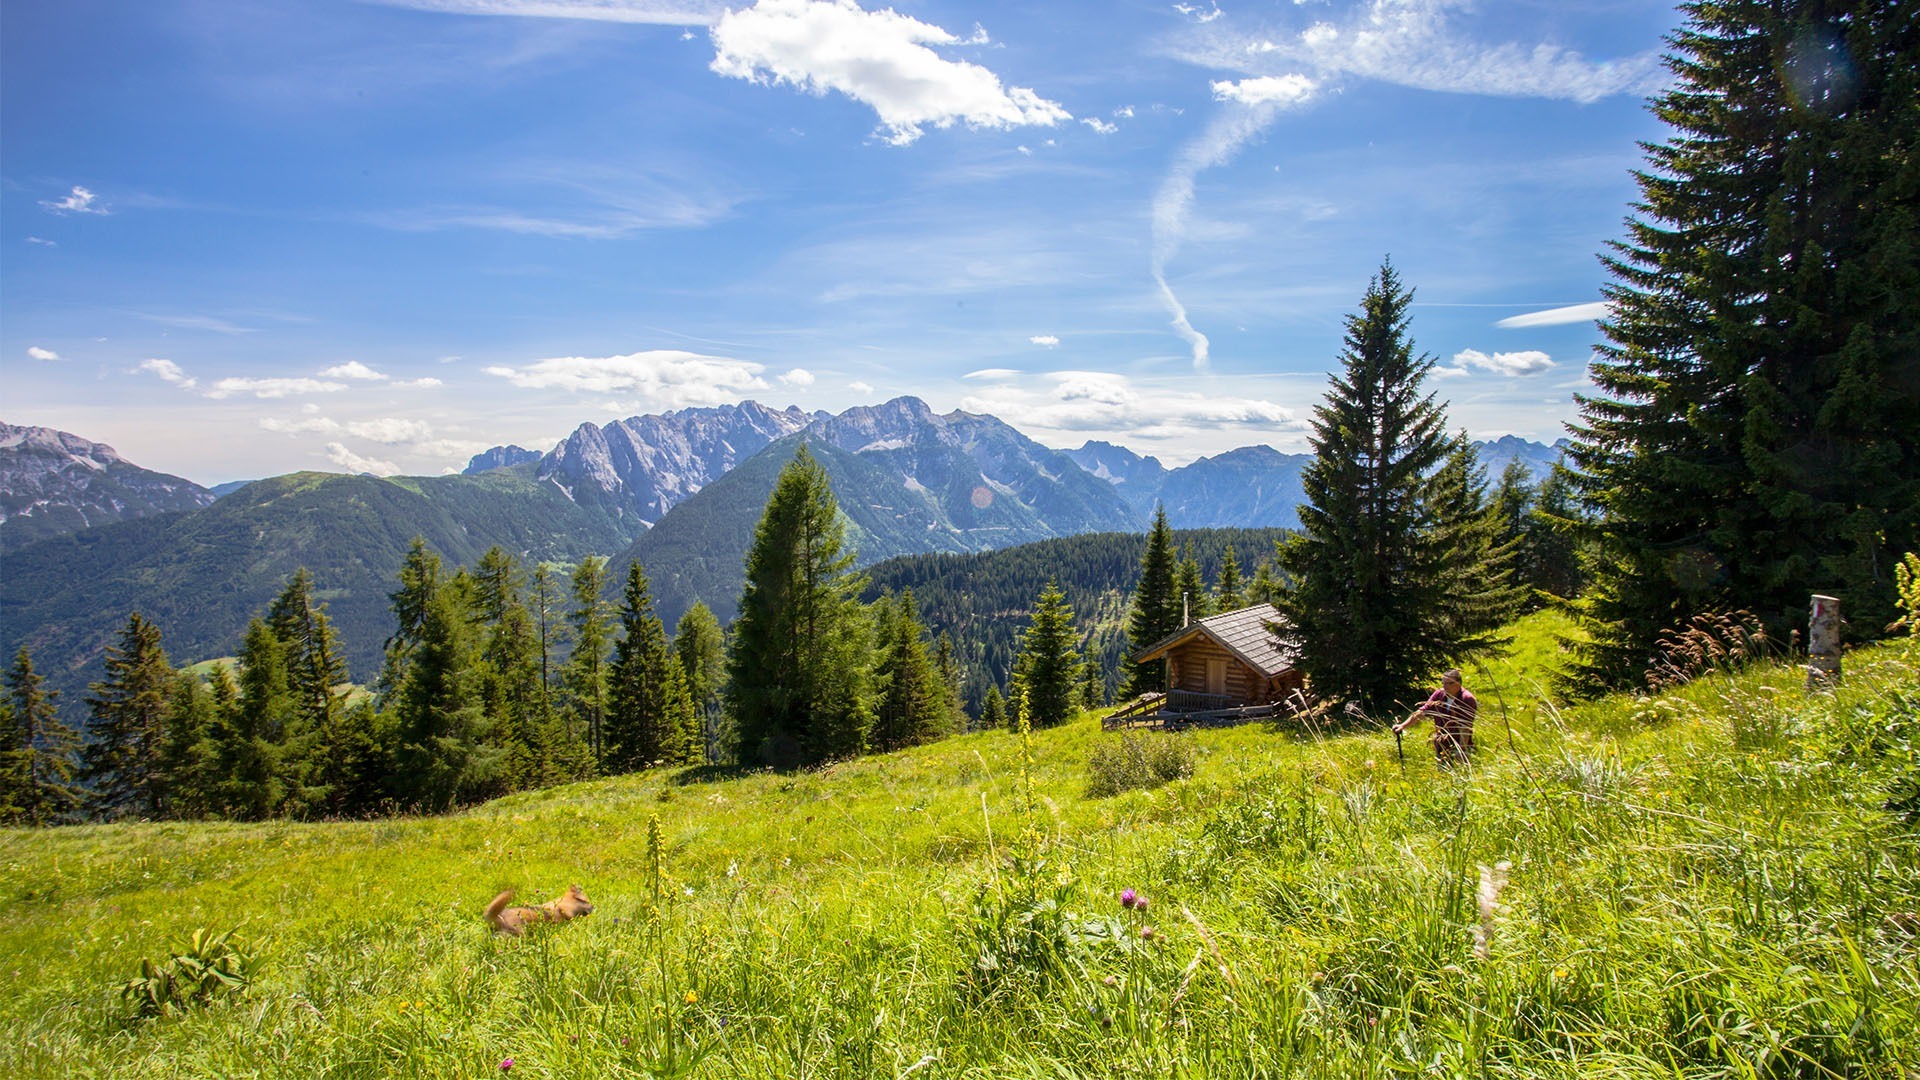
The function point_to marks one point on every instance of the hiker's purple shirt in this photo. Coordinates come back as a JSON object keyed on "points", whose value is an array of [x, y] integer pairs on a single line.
{"points": [[1452, 716]]}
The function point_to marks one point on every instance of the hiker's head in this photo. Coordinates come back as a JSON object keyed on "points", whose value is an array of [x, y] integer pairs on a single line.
{"points": [[1450, 679]]}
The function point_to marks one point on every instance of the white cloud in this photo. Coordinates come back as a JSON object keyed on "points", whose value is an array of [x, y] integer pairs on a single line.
{"points": [[1103, 402], [667, 378], [1559, 316], [879, 58], [1198, 15], [992, 373], [392, 430], [35, 352], [1528, 362], [272, 387], [860, 387], [659, 12], [1045, 341], [1100, 126], [168, 372], [353, 369], [78, 201], [311, 425], [1412, 43], [425, 382], [797, 377], [1124, 112], [353, 462], [43, 241], [1280, 90]]}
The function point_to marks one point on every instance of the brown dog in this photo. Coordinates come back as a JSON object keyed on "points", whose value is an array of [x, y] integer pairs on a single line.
{"points": [[514, 920]]}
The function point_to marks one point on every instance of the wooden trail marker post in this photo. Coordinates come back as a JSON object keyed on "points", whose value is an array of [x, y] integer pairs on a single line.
{"points": [[1823, 643]]}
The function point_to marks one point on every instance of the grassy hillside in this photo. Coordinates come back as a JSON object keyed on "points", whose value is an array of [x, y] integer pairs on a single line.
{"points": [[1704, 884]]}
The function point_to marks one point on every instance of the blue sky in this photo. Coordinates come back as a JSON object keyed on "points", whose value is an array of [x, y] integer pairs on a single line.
{"points": [[243, 237]]}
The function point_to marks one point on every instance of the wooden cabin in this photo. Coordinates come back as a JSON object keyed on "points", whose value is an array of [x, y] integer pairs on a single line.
{"points": [[1227, 663]]}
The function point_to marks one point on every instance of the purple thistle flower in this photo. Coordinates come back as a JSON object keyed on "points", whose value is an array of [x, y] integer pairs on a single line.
{"points": [[507, 1065], [1128, 898], [1140, 904]]}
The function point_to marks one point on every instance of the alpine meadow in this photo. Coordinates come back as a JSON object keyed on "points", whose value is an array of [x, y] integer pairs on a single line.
{"points": [[1476, 713]]}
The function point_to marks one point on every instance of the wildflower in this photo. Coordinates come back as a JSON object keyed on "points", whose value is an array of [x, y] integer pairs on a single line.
{"points": [[1140, 904], [692, 997], [506, 1065], [1109, 981], [1146, 933], [1128, 898]]}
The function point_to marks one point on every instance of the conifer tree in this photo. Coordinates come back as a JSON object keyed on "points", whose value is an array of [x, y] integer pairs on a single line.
{"points": [[702, 648], [1550, 560], [1480, 595], [946, 664], [1047, 672], [586, 676], [542, 594], [650, 717], [1368, 590], [247, 739], [799, 665], [441, 753], [128, 726], [1156, 606], [37, 760], [419, 583], [1756, 432], [1190, 588], [913, 701], [187, 758], [312, 653], [993, 711], [1227, 592], [1265, 587]]}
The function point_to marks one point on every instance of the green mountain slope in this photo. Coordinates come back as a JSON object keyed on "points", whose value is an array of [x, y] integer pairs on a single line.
{"points": [[201, 575]]}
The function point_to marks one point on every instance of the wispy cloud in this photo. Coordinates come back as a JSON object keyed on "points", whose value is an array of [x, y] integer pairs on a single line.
{"points": [[1045, 341], [1575, 313], [1249, 113], [347, 459], [1199, 15], [42, 241], [1416, 43], [199, 322], [992, 373], [35, 352], [659, 12], [168, 371], [665, 378], [78, 201], [879, 58], [1100, 127], [238, 386]]}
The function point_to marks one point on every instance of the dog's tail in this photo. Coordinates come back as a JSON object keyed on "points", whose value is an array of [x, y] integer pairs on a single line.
{"points": [[499, 905]]}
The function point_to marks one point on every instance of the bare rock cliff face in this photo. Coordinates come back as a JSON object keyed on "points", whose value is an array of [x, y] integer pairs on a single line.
{"points": [[643, 465], [52, 483]]}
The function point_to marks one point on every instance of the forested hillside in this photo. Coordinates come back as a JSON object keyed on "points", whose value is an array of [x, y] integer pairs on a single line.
{"points": [[201, 575], [983, 601]]}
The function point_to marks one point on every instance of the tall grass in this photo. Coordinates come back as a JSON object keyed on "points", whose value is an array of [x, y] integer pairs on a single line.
{"points": [[1704, 883]]}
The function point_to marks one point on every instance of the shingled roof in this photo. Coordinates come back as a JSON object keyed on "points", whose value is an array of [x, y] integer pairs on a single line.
{"points": [[1243, 633]]}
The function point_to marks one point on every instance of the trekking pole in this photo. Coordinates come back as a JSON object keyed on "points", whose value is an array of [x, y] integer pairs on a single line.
{"points": [[1400, 747]]}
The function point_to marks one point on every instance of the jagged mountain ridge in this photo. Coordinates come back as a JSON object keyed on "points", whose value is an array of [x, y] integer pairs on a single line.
{"points": [[908, 481], [644, 465], [53, 482]]}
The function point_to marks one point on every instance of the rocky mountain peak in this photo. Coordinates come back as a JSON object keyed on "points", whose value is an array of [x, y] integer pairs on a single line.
{"points": [[53, 482]]}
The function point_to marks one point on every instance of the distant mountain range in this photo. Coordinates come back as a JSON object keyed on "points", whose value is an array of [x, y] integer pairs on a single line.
{"points": [[53, 483], [681, 492]]}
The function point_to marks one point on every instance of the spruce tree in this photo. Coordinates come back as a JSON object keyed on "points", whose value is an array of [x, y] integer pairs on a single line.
{"points": [[128, 726], [247, 740], [650, 716], [187, 758], [37, 761], [1481, 597], [1550, 561], [799, 665], [1048, 669], [442, 755], [586, 675], [1368, 589], [1190, 588], [1227, 592], [1156, 606], [993, 711], [1755, 436], [913, 701], [702, 648]]}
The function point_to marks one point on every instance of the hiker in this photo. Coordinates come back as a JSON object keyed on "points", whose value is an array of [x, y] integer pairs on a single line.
{"points": [[1452, 708]]}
